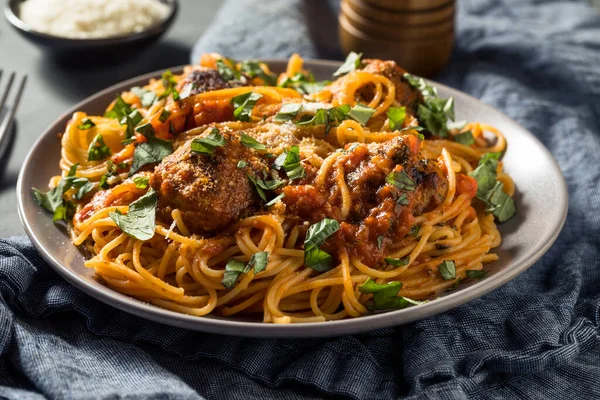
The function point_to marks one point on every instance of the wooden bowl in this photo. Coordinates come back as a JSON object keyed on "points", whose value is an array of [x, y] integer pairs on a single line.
{"points": [[437, 15], [424, 57], [396, 31], [409, 5]]}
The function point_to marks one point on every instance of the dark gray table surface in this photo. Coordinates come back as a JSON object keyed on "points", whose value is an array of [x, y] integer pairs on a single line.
{"points": [[53, 88]]}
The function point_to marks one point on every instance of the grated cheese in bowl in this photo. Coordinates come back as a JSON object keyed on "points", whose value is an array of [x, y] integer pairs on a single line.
{"points": [[87, 19]]}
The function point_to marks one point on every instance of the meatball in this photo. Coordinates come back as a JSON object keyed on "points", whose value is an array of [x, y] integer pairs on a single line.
{"points": [[210, 191]]}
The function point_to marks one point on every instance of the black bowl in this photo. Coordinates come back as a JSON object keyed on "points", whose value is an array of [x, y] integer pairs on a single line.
{"points": [[73, 49]]}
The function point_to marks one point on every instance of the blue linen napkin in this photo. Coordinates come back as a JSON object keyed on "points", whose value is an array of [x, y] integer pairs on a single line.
{"points": [[538, 336]]}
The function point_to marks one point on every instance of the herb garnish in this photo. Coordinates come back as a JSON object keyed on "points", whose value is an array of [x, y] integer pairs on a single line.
{"points": [[465, 138], [380, 241], [243, 105], [314, 257], [54, 201], [396, 116], [150, 152], [402, 200], [207, 145], [141, 182], [235, 268], [98, 150], [86, 124], [147, 129], [352, 63], [288, 112], [140, 220], [361, 113], [290, 162], [435, 112], [242, 164], [397, 262], [304, 84], [490, 190], [168, 82], [275, 200], [401, 180], [227, 73], [164, 115], [120, 109], [385, 296], [146, 96], [476, 273], [253, 69], [252, 143], [261, 185], [447, 270]]}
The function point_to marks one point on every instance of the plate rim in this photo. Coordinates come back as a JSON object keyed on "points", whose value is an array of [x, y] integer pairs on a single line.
{"points": [[260, 329]]}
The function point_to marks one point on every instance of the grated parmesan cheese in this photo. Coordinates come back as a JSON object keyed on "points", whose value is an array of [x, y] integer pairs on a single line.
{"points": [[85, 19]]}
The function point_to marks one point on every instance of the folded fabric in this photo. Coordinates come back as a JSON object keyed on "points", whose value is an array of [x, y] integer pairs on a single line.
{"points": [[538, 336]]}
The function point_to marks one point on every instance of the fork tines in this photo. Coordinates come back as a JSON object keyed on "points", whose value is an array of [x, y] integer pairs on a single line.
{"points": [[6, 119]]}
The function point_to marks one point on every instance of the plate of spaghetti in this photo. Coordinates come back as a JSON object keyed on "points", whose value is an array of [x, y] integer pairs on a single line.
{"points": [[288, 198]]}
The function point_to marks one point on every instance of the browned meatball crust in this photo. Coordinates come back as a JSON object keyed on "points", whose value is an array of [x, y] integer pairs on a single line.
{"points": [[210, 191]]}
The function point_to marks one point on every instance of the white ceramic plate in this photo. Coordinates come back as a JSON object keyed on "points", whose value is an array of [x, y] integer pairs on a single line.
{"points": [[541, 203]]}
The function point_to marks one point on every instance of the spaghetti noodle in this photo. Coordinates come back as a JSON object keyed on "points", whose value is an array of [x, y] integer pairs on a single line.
{"points": [[217, 194]]}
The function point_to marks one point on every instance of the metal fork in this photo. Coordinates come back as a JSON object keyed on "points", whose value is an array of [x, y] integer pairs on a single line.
{"points": [[6, 121]]}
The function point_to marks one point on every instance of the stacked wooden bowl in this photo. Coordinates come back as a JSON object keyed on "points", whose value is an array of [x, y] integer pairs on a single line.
{"points": [[417, 34]]}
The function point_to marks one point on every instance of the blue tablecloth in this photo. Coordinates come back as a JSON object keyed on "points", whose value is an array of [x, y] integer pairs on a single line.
{"points": [[536, 337]]}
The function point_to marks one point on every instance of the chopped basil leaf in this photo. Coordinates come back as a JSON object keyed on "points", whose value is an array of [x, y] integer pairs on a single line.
{"points": [[146, 96], [490, 190], [319, 118], [150, 152], [253, 69], [141, 182], [103, 184], [414, 231], [244, 104], [187, 90], [275, 200], [147, 129], [164, 115], [312, 87], [476, 273], [207, 145], [54, 201], [259, 261], [398, 262], [401, 180], [242, 164], [259, 189], [434, 113], [339, 113], [352, 63], [456, 125], [453, 287], [290, 162], [233, 269], [318, 259], [447, 270], [314, 257], [288, 112], [385, 296], [122, 165], [379, 242], [140, 220], [135, 117], [98, 150], [226, 72], [168, 82], [86, 124], [465, 138], [361, 113], [396, 116], [120, 109], [128, 141], [252, 143], [402, 200]]}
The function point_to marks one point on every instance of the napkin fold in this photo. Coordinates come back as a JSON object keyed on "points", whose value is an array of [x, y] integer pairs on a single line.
{"points": [[538, 336]]}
